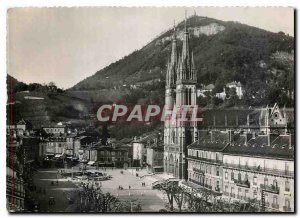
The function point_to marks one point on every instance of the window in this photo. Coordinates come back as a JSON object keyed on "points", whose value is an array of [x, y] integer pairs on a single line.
{"points": [[266, 181], [226, 175], [287, 203], [218, 171], [246, 177], [287, 186], [275, 183], [246, 194], [266, 198], [232, 176], [232, 190], [254, 194], [218, 184], [226, 188], [275, 200], [254, 180], [239, 177]]}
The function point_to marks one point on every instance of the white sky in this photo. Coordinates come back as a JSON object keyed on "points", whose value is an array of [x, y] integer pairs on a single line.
{"points": [[66, 45]]}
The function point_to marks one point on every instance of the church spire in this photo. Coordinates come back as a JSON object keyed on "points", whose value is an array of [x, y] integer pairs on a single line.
{"points": [[172, 64], [174, 50]]}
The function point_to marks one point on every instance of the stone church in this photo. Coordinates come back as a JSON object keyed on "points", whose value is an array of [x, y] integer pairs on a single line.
{"points": [[181, 80]]}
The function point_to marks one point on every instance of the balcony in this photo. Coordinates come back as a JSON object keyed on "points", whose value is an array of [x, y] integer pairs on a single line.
{"points": [[260, 169], [205, 159], [275, 206], [270, 188], [199, 171], [245, 184], [287, 209], [217, 189], [207, 186], [197, 182]]}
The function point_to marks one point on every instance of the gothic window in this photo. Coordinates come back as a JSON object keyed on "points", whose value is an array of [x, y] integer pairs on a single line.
{"points": [[173, 136]]}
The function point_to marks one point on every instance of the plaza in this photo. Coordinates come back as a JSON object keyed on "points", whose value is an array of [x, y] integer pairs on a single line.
{"points": [[60, 188]]}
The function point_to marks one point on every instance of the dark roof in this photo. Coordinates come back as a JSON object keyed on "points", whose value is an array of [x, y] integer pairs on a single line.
{"points": [[233, 117], [258, 146], [215, 142]]}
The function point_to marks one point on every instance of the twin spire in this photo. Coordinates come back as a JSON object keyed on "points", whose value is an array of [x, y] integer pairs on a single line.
{"points": [[181, 68]]}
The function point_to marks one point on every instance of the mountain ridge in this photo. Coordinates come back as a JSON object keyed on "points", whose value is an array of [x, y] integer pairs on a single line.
{"points": [[228, 53]]}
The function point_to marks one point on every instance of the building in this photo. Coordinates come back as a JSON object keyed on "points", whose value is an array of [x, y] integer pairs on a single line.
{"points": [[209, 88], [55, 129], [155, 156], [241, 166], [139, 152], [275, 119], [205, 160], [261, 168], [181, 80], [238, 88], [23, 127], [99, 155], [15, 191], [55, 147]]}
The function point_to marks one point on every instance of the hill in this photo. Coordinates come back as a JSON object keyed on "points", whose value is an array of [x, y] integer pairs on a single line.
{"points": [[223, 52], [42, 105]]}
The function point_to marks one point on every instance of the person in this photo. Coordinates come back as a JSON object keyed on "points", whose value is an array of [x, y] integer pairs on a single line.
{"points": [[129, 187]]}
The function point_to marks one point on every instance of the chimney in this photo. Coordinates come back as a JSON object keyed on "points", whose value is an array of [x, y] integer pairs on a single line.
{"points": [[253, 135], [230, 136]]}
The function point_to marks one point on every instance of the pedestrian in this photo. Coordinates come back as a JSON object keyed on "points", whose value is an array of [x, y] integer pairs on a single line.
{"points": [[129, 187]]}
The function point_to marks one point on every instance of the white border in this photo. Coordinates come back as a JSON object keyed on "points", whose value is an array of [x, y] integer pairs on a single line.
{"points": [[5, 4]]}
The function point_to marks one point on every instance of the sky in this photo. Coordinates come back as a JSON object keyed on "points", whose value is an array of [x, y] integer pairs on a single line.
{"points": [[66, 45]]}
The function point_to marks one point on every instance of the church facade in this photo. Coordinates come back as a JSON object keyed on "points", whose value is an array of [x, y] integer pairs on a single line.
{"points": [[180, 93]]}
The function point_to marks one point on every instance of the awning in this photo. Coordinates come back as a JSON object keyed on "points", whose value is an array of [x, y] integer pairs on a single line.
{"points": [[91, 162]]}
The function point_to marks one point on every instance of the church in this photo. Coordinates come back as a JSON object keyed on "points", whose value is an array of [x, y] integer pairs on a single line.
{"points": [[181, 81]]}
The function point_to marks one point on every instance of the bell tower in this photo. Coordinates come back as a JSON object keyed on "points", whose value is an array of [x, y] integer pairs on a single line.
{"points": [[179, 133]]}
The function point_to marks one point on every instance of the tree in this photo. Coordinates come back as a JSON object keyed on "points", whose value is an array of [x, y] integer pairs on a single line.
{"points": [[167, 187]]}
